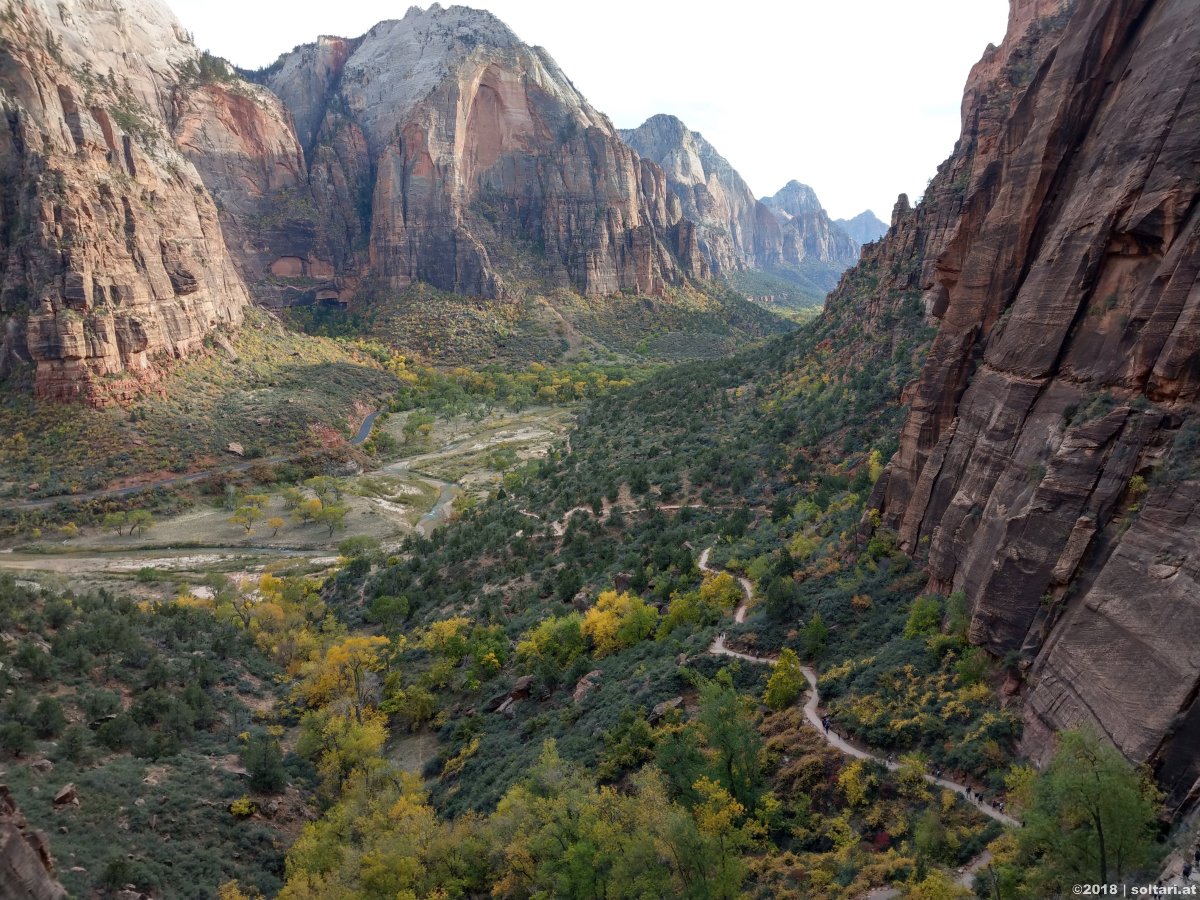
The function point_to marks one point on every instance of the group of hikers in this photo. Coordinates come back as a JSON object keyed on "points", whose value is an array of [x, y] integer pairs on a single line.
{"points": [[1189, 867]]}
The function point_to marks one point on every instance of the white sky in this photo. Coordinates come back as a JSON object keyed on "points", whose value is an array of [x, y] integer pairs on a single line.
{"points": [[858, 98]]}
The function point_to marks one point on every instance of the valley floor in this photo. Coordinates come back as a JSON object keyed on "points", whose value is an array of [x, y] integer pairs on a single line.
{"points": [[405, 494]]}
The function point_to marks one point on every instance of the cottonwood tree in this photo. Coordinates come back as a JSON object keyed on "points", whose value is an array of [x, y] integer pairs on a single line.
{"points": [[1088, 816]]}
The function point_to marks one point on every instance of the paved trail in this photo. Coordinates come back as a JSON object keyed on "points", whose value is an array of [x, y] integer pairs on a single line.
{"points": [[813, 716]]}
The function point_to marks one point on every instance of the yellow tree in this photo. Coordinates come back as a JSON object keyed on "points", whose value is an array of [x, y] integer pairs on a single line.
{"points": [[786, 681], [341, 673], [721, 590], [618, 621]]}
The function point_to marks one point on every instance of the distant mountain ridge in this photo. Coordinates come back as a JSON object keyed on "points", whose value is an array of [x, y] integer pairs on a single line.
{"points": [[864, 228], [736, 232]]}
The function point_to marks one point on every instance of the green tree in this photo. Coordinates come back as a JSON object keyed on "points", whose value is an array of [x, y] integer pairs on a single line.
{"points": [[246, 516], [1091, 817], [816, 636], [323, 486], [263, 759], [139, 521], [48, 718], [786, 682], [16, 738], [332, 517], [925, 617], [727, 723]]}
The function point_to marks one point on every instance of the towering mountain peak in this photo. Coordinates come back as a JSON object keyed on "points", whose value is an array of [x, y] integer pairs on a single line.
{"points": [[438, 146], [684, 154], [793, 199], [864, 228]]}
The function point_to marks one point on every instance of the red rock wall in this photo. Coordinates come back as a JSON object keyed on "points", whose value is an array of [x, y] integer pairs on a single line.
{"points": [[1066, 359], [113, 255]]}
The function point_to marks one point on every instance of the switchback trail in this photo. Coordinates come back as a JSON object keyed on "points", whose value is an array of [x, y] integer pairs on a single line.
{"points": [[364, 432], [813, 703]]}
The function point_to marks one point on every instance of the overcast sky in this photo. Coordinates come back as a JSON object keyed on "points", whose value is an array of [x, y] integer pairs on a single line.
{"points": [[858, 98]]}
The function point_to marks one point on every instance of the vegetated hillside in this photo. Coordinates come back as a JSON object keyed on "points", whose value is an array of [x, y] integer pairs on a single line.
{"points": [[1047, 466], [452, 330], [285, 399], [129, 731]]}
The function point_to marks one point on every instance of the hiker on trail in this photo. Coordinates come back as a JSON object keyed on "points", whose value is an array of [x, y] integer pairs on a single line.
{"points": [[1198, 854], [825, 723], [1187, 871]]}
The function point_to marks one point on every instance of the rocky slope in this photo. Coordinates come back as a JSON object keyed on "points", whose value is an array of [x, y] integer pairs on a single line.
{"points": [[808, 235], [734, 230], [1047, 468], [26, 869], [440, 148], [788, 234], [863, 228], [113, 253]]}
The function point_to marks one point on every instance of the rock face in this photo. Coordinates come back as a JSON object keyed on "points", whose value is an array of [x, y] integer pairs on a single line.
{"points": [[240, 139], [808, 235], [440, 148], [1058, 250], [26, 868], [788, 234], [863, 228], [734, 230], [113, 254]]}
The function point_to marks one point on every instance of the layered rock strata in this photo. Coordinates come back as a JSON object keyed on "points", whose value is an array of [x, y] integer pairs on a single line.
{"points": [[113, 253], [1060, 264], [442, 149]]}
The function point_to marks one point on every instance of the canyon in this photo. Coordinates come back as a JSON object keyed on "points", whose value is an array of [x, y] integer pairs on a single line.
{"points": [[993, 422]]}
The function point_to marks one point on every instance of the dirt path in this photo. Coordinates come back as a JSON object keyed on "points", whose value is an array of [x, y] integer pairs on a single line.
{"points": [[364, 432], [813, 715]]}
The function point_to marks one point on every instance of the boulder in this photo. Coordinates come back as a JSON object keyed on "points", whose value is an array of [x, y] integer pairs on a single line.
{"points": [[26, 867], [586, 685], [66, 796], [661, 709]]}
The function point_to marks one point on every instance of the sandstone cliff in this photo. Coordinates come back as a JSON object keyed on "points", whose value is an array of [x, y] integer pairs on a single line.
{"points": [[1058, 251], [735, 230], [26, 869], [113, 254], [440, 148], [788, 235]]}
